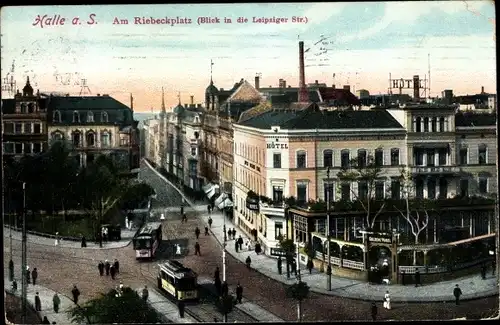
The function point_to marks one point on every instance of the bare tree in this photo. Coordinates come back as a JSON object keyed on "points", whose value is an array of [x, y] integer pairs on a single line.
{"points": [[417, 222], [366, 172]]}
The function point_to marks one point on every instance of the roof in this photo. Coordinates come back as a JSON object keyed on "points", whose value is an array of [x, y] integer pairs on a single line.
{"points": [[468, 119], [211, 89], [313, 118], [245, 92], [292, 95], [9, 105], [342, 96]]}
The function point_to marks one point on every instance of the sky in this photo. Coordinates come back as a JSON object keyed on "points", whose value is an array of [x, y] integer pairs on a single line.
{"points": [[359, 44]]}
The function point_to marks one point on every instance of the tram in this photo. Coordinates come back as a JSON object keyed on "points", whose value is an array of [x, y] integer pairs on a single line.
{"points": [[178, 281], [147, 240]]}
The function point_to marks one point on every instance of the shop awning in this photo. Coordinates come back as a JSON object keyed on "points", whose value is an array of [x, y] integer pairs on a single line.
{"points": [[227, 203], [207, 188], [220, 199], [212, 191]]}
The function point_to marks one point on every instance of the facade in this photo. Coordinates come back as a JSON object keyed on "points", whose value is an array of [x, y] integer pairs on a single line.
{"points": [[24, 123], [152, 140], [95, 125]]}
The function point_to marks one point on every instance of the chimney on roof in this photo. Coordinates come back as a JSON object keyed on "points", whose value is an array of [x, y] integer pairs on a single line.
{"points": [[316, 82], [416, 88], [347, 87], [482, 89], [333, 86], [98, 95], [257, 82], [282, 83], [303, 94], [192, 99]]}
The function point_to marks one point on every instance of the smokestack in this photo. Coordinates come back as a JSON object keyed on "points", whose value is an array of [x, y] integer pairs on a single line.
{"points": [[482, 89], [131, 102], [192, 99], [257, 82], [303, 94], [347, 87], [416, 88]]}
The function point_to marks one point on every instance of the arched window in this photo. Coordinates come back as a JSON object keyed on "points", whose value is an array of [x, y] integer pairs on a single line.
{"points": [[426, 124], [441, 124], [105, 139], [301, 159], [328, 158], [57, 116], [76, 117], [434, 124], [344, 158], [418, 124], [76, 139], [57, 136], [104, 117], [90, 117], [362, 158], [90, 139]]}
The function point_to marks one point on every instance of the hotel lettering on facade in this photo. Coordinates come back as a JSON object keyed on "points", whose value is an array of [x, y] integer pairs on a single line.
{"points": [[288, 151]]}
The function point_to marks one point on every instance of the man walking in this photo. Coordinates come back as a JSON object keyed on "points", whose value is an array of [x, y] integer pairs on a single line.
{"points": [[100, 267], [457, 292], [116, 264], [310, 266], [197, 249], [248, 261], [209, 209], [234, 233], [28, 275], [217, 273], [38, 303], [239, 293], [107, 266], [240, 242], [56, 301], [34, 275], [145, 293], [206, 231], [112, 271], [374, 311], [197, 232], [483, 272], [76, 293], [210, 222], [417, 278]]}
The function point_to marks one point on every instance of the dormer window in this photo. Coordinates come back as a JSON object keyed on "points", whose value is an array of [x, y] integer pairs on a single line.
{"points": [[104, 117], [90, 117], [57, 116], [76, 117]]}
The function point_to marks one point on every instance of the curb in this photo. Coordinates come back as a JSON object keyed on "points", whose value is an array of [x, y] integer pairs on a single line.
{"points": [[475, 296]]}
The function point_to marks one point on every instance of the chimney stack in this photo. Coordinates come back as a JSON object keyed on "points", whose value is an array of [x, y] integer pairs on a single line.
{"points": [[347, 87], [192, 99], [482, 89], [416, 88], [303, 94], [257, 82], [333, 86]]}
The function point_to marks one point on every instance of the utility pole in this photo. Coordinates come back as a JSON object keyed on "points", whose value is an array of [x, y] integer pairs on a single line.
{"points": [[329, 268], [24, 257], [224, 244]]}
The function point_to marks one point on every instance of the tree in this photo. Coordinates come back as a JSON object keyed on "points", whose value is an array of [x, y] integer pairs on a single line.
{"points": [[288, 247], [298, 291], [412, 213], [110, 308], [136, 195], [366, 172]]}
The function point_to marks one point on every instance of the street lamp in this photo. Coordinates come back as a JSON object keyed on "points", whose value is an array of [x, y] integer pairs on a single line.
{"points": [[23, 262], [221, 186], [329, 268]]}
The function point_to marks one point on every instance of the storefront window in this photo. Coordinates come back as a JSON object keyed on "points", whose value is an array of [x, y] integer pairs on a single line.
{"points": [[278, 230], [300, 226]]}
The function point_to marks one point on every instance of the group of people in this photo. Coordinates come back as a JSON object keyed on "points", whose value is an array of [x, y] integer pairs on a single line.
{"points": [[110, 269], [222, 288]]}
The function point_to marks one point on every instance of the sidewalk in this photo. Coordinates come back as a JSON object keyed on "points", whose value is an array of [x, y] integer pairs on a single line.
{"points": [[127, 236]]}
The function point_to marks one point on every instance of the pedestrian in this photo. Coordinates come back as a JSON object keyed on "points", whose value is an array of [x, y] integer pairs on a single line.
{"points": [[197, 232], [374, 311], [225, 289], [197, 249], [217, 273], [240, 242], [56, 302], [45, 320], [280, 265], [206, 231], [218, 286], [38, 303], [417, 278], [100, 267], [107, 266], [76, 293], [84, 242], [28, 274], [184, 217], [181, 308], [34, 275], [182, 210], [209, 209], [14, 285], [403, 282], [11, 270], [258, 249], [56, 243], [116, 264], [234, 233], [387, 300], [248, 261], [229, 233], [145, 293], [210, 222], [483, 272], [112, 271], [239, 293], [236, 246], [457, 292], [310, 266]]}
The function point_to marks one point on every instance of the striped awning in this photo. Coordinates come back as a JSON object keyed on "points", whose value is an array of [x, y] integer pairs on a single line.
{"points": [[220, 199], [212, 191], [227, 203], [207, 188]]}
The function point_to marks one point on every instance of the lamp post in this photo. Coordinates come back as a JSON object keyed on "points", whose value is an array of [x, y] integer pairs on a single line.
{"points": [[221, 186], [329, 268], [24, 257]]}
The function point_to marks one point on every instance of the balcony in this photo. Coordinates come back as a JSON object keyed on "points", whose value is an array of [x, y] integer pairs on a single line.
{"points": [[272, 209], [434, 170]]}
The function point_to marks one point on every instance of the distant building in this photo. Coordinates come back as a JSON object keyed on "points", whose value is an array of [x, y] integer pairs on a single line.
{"points": [[362, 93]]}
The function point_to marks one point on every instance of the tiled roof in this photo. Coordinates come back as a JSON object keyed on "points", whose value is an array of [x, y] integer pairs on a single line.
{"points": [[255, 111], [316, 119], [246, 93], [475, 119], [342, 96]]}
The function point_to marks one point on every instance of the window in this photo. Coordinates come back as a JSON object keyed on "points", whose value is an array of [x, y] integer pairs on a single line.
{"points": [[19, 148], [193, 151], [464, 187], [361, 158], [90, 117], [483, 185], [394, 157], [277, 194], [278, 230], [395, 189], [329, 194], [37, 147], [345, 191], [320, 226], [19, 128], [57, 116], [8, 147], [57, 136], [434, 124], [302, 192], [8, 128], [277, 160], [419, 157], [430, 158], [379, 190], [28, 128], [327, 158], [104, 117], [443, 188], [426, 124], [37, 128], [441, 124], [418, 124], [24, 108], [482, 154], [431, 188], [344, 158], [379, 157], [105, 139], [301, 159], [76, 117], [362, 190], [463, 158], [419, 188], [31, 108], [27, 148], [76, 139], [442, 156], [90, 139]]}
